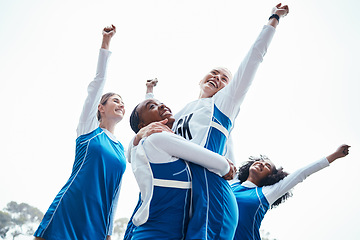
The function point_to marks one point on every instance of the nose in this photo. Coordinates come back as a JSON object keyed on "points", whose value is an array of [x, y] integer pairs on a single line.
{"points": [[162, 106]]}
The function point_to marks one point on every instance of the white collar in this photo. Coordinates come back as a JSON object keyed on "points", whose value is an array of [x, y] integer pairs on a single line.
{"points": [[248, 184], [110, 135]]}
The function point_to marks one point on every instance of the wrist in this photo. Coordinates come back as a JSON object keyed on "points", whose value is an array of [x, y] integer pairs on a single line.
{"points": [[149, 89], [332, 157], [274, 20], [277, 17], [105, 43]]}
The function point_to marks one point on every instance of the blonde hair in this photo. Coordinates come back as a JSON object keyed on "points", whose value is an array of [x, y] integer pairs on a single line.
{"points": [[104, 100]]}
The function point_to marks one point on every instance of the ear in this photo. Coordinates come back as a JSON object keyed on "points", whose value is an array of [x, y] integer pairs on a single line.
{"points": [[101, 108]]}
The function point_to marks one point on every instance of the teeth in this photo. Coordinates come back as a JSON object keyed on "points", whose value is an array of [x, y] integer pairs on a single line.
{"points": [[212, 83]]}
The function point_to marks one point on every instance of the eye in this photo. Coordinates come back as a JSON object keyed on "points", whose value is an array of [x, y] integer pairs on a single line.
{"points": [[225, 79], [151, 106]]}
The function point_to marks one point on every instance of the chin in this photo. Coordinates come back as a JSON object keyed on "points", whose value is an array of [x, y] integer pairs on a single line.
{"points": [[171, 121]]}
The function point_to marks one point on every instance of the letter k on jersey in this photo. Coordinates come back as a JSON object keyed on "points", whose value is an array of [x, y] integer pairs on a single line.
{"points": [[182, 127]]}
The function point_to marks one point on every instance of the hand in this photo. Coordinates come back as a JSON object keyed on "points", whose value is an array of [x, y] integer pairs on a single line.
{"points": [[340, 152], [282, 11], [231, 174], [108, 33], [154, 127], [151, 82]]}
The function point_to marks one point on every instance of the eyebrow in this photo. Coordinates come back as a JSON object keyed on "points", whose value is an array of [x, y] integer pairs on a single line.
{"points": [[150, 102], [218, 72]]}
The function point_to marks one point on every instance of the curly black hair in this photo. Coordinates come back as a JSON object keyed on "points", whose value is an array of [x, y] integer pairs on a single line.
{"points": [[277, 175]]}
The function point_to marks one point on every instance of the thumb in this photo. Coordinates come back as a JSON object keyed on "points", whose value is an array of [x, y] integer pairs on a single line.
{"points": [[164, 121]]}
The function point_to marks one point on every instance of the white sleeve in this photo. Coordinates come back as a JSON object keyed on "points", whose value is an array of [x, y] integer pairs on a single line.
{"points": [[130, 148], [229, 99], [160, 145], [88, 119], [229, 154], [149, 95], [273, 192]]}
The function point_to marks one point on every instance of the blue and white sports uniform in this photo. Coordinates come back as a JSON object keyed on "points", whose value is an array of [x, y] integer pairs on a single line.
{"points": [[208, 122], [164, 180], [85, 207], [253, 202]]}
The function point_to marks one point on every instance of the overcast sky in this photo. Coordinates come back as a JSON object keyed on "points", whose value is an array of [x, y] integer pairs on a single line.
{"points": [[303, 104]]}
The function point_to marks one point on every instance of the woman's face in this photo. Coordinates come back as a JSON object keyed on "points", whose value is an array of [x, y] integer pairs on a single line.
{"points": [[261, 169], [214, 81], [113, 109], [151, 110]]}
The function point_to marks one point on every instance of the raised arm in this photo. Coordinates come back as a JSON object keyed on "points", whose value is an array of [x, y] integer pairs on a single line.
{"points": [[88, 120], [273, 192], [229, 99], [150, 84], [169, 145]]}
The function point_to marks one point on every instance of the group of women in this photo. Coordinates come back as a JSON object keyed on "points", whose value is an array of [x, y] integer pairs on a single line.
{"points": [[182, 163]]}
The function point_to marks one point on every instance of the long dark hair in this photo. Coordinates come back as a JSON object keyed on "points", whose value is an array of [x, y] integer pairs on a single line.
{"points": [[277, 175]]}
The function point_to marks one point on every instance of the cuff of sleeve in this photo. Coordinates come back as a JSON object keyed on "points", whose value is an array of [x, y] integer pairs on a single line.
{"points": [[225, 171], [324, 162], [105, 51], [149, 95]]}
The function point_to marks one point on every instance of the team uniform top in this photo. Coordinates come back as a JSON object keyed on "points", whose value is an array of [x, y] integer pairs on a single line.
{"points": [[85, 207], [253, 202], [164, 180], [208, 122]]}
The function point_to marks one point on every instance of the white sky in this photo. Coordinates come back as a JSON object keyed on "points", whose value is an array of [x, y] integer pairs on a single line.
{"points": [[303, 104]]}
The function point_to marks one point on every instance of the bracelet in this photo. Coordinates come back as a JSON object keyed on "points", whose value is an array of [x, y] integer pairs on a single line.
{"points": [[275, 16]]}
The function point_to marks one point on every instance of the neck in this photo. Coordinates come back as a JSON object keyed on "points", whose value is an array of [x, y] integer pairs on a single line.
{"points": [[108, 125], [202, 95], [253, 180]]}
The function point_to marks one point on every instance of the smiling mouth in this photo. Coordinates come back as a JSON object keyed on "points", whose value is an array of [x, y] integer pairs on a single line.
{"points": [[212, 83], [167, 112]]}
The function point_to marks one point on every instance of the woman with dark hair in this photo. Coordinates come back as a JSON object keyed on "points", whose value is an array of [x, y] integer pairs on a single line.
{"points": [[262, 186], [160, 165], [85, 207]]}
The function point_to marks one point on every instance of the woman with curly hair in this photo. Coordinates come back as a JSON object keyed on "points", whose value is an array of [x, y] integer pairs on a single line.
{"points": [[262, 186]]}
